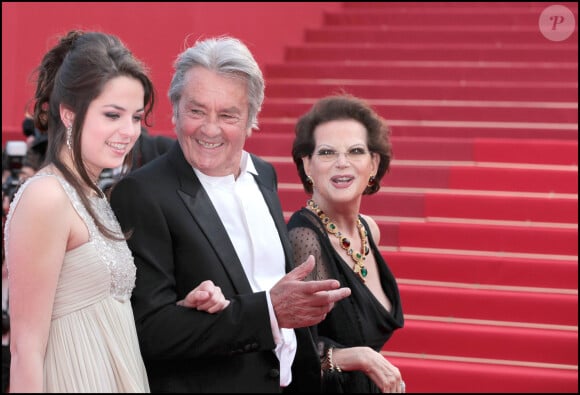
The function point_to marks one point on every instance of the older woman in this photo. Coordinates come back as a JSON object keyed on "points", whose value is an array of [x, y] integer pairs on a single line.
{"points": [[342, 151]]}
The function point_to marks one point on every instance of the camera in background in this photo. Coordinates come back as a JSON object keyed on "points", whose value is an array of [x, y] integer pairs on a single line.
{"points": [[14, 157]]}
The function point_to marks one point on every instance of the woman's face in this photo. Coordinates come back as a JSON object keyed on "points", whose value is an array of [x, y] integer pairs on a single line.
{"points": [[212, 119], [341, 163], [112, 124]]}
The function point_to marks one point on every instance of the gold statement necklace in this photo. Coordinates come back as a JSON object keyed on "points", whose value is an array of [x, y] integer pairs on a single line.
{"points": [[357, 257]]}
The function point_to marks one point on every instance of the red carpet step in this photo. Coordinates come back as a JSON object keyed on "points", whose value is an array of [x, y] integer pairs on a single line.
{"points": [[441, 374], [462, 14], [555, 346], [442, 90], [501, 207], [438, 110], [536, 272], [349, 33], [432, 52], [475, 6], [480, 237], [529, 151], [449, 129], [426, 70], [454, 303]]}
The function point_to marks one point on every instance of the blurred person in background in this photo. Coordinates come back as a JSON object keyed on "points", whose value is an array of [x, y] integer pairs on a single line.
{"points": [[147, 148], [5, 322]]}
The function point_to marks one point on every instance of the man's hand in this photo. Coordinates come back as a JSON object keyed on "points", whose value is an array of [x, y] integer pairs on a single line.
{"points": [[300, 303], [207, 297]]}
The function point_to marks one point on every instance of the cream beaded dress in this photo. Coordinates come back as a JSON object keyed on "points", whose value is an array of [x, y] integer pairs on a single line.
{"points": [[92, 344]]}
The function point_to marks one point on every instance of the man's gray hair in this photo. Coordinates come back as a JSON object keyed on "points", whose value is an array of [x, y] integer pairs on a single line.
{"points": [[224, 55]]}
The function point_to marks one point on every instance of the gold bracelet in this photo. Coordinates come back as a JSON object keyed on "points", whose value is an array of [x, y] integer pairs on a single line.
{"points": [[333, 365], [325, 362], [328, 364]]}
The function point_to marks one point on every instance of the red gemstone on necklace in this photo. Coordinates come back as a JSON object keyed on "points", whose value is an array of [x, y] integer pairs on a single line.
{"points": [[345, 242]]}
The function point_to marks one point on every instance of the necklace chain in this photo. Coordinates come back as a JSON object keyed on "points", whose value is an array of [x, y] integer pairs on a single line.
{"points": [[343, 242]]}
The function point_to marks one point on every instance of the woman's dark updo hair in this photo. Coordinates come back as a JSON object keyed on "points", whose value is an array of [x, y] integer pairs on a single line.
{"points": [[342, 107]]}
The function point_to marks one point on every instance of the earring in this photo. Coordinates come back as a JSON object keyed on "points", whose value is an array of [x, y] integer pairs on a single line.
{"points": [[69, 137], [310, 180], [372, 181]]}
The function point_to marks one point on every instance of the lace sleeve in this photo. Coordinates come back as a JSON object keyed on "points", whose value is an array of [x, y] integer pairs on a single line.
{"points": [[304, 243], [308, 237]]}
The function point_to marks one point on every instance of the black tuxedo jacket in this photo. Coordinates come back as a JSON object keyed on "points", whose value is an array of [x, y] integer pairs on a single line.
{"points": [[178, 241]]}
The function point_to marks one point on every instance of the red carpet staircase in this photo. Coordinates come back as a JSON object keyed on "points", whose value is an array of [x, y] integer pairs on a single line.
{"points": [[479, 214]]}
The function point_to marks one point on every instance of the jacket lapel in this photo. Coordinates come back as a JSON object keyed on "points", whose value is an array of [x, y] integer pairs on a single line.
{"points": [[204, 214]]}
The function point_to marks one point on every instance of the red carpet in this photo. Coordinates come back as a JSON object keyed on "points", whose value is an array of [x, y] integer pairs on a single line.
{"points": [[479, 213], [422, 109], [452, 129], [451, 304], [482, 270], [417, 71], [493, 342], [447, 374], [440, 89]]}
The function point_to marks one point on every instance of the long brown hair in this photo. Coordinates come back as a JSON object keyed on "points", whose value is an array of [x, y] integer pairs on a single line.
{"points": [[73, 74]]}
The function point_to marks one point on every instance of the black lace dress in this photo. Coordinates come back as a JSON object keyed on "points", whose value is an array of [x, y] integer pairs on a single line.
{"points": [[359, 320]]}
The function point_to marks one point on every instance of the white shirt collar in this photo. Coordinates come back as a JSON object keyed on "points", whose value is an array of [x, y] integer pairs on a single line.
{"points": [[246, 166]]}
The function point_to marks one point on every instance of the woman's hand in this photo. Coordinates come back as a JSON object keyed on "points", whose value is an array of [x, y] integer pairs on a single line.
{"points": [[384, 374], [205, 297]]}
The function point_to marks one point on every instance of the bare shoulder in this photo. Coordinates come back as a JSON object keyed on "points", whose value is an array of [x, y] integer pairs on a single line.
{"points": [[43, 199], [375, 230]]}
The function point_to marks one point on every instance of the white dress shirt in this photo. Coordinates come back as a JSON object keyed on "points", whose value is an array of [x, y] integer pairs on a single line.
{"points": [[245, 215]]}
